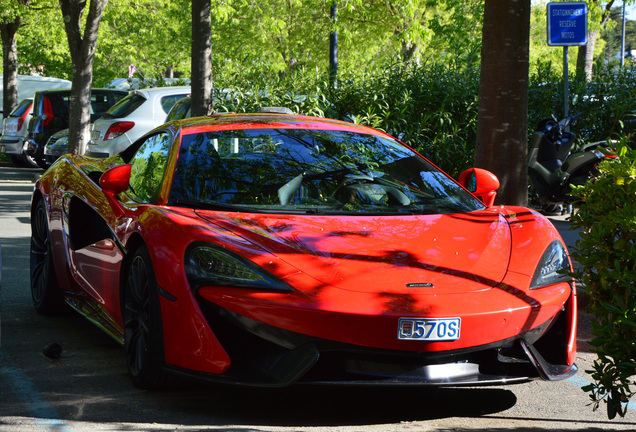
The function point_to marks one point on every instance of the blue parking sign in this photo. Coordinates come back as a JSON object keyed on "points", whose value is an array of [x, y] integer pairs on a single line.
{"points": [[567, 23]]}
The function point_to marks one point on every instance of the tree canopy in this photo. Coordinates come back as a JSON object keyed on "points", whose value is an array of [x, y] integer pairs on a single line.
{"points": [[275, 37], [278, 36]]}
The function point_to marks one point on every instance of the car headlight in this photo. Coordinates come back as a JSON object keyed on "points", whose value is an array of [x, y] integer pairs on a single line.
{"points": [[208, 264], [553, 266]]}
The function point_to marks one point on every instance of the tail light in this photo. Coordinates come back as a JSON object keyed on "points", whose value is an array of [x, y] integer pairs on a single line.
{"points": [[117, 129], [47, 111], [611, 155]]}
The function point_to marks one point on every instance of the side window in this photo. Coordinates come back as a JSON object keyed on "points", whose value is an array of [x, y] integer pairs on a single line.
{"points": [[99, 103], [179, 110], [148, 168], [168, 101]]}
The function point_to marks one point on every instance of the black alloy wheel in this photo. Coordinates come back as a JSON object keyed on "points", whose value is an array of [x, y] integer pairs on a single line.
{"points": [[142, 324], [47, 298], [41, 162], [28, 161]]}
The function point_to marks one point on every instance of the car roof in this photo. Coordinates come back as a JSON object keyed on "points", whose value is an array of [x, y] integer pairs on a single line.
{"points": [[268, 120], [68, 91], [234, 121], [164, 90]]}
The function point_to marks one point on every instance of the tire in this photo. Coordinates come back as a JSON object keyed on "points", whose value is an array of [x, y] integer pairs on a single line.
{"points": [[24, 160], [29, 161], [143, 331], [47, 298], [552, 209], [17, 160], [533, 197], [547, 209], [41, 162]]}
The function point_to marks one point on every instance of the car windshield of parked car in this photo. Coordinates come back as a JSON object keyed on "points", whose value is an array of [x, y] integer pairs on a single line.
{"points": [[22, 107], [310, 171], [125, 106]]}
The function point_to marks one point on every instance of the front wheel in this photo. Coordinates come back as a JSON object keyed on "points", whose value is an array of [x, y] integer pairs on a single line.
{"points": [[46, 295], [143, 330], [41, 162], [29, 161]]}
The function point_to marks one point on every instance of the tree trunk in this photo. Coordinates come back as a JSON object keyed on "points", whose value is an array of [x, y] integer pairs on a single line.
{"points": [[8, 31], [585, 56], [502, 120], [201, 84], [409, 49], [82, 49]]}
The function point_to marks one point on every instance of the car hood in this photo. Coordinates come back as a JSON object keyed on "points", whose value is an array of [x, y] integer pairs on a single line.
{"points": [[430, 253]]}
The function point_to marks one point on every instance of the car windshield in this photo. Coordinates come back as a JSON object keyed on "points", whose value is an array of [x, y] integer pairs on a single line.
{"points": [[21, 108], [311, 171], [125, 106]]}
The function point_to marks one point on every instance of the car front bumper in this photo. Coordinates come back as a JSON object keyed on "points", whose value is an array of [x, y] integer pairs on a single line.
{"points": [[264, 355]]}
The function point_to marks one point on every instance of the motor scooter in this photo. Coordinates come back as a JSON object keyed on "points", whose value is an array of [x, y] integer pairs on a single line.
{"points": [[553, 167]]}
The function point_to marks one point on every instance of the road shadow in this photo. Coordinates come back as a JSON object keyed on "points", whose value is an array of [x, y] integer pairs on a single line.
{"points": [[89, 383], [304, 405]]}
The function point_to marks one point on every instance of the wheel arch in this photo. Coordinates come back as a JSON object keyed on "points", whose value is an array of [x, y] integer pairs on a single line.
{"points": [[35, 198]]}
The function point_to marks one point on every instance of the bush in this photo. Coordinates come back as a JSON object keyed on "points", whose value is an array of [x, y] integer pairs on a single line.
{"points": [[433, 107], [606, 253], [604, 106]]}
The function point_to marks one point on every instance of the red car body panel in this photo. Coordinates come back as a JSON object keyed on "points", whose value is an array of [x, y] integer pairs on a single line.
{"points": [[475, 266], [339, 282]]}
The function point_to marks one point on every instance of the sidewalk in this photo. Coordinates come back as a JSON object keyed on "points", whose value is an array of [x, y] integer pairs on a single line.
{"points": [[12, 173]]}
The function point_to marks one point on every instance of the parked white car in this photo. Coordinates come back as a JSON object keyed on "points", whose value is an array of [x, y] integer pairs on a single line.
{"points": [[14, 132], [14, 125], [134, 115], [136, 83]]}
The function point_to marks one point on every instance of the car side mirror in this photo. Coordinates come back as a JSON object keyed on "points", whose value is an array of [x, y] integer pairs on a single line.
{"points": [[481, 183], [114, 181]]}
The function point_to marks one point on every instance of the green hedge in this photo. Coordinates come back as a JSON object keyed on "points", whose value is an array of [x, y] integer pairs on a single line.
{"points": [[606, 253], [433, 107]]}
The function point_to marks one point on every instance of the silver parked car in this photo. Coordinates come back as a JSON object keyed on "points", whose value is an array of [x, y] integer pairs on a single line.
{"points": [[56, 146], [139, 112], [14, 132]]}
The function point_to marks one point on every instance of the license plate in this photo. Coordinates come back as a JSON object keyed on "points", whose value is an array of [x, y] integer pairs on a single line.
{"points": [[429, 329]]}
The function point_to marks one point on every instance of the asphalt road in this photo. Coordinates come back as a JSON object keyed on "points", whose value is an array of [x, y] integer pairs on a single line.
{"points": [[87, 389]]}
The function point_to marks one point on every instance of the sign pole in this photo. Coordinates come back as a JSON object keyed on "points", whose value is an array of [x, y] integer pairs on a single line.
{"points": [[567, 26], [566, 83]]}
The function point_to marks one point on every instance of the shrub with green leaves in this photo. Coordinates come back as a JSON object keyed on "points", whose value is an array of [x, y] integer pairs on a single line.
{"points": [[432, 107], [606, 253]]}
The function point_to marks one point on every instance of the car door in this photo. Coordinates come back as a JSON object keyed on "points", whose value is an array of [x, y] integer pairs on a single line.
{"points": [[96, 254]]}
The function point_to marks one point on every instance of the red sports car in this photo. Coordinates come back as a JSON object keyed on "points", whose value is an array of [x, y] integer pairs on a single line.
{"points": [[270, 249]]}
